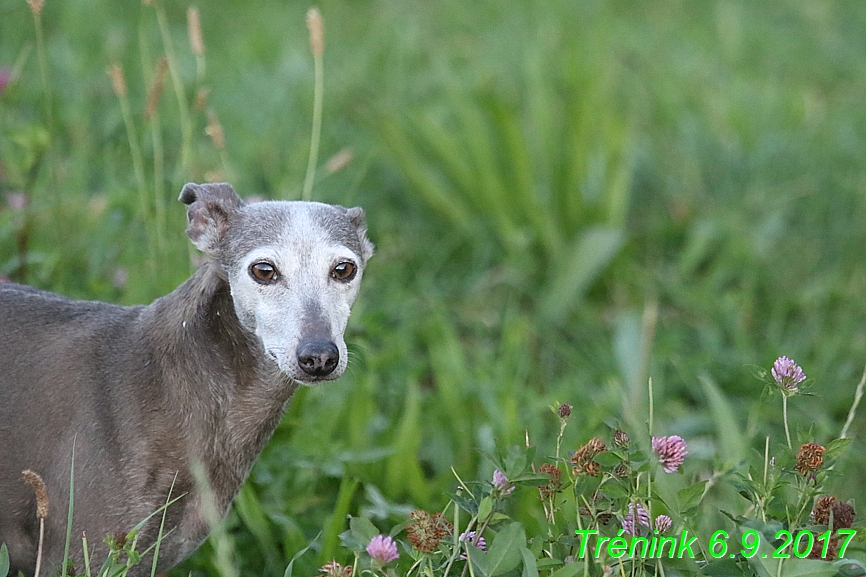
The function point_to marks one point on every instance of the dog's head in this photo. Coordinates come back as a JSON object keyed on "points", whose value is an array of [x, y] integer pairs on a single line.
{"points": [[294, 269]]}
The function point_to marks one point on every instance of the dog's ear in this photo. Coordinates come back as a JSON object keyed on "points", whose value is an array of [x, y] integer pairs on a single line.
{"points": [[210, 208], [357, 218]]}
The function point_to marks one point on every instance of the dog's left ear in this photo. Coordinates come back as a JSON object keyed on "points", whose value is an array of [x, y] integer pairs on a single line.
{"points": [[358, 219], [210, 208]]}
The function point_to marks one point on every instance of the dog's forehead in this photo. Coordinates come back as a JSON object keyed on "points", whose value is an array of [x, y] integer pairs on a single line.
{"points": [[295, 222]]}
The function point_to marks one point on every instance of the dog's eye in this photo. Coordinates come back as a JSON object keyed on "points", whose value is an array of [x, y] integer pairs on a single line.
{"points": [[263, 272], [344, 271]]}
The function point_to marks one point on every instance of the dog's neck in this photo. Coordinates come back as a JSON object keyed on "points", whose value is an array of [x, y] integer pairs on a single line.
{"points": [[227, 395]]}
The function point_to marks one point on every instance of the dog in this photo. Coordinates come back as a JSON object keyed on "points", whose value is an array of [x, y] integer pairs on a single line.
{"points": [[174, 399]]}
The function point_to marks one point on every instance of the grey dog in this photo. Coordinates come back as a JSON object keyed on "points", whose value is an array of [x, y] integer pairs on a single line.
{"points": [[175, 398]]}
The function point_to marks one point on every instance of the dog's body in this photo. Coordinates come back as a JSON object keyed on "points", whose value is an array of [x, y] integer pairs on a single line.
{"points": [[183, 393]]}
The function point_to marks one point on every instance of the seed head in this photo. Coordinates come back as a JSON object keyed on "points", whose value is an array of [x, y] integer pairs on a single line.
{"points": [[201, 98], [156, 88], [620, 439], [564, 411], [215, 130], [339, 161], [787, 374], [118, 82], [671, 452], [316, 26], [36, 6], [41, 493], [196, 42]]}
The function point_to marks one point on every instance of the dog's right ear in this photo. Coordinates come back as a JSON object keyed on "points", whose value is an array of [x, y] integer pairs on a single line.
{"points": [[210, 208]]}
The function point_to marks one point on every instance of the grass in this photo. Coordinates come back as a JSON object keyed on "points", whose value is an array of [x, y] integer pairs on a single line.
{"points": [[567, 198]]}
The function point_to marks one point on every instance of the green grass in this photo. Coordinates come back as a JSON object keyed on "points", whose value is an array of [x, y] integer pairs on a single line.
{"points": [[566, 197]]}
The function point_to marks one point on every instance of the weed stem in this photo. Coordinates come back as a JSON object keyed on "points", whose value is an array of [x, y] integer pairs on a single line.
{"points": [[314, 20], [858, 394], [183, 107]]}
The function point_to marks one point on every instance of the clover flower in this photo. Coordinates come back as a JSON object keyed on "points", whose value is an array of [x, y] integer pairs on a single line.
{"points": [[500, 482], [564, 411], [620, 439], [663, 523], [671, 452], [637, 515], [469, 537], [382, 549], [787, 374], [5, 77]]}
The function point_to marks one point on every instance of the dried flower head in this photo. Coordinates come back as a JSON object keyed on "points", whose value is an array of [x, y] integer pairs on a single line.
{"points": [[671, 452], [383, 549], [787, 374], [843, 513], [620, 439], [636, 517], [334, 569], [38, 485], [564, 411], [821, 510], [426, 531], [595, 446], [582, 459], [663, 523], [810, 458], [817, 551], [621, 471], [554, 485]]}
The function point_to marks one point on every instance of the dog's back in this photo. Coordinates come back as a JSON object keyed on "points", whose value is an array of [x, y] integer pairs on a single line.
{"points": [[57, 395]]}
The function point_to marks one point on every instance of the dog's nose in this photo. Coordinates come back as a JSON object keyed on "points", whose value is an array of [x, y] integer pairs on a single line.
{"points": [[318, 358]]}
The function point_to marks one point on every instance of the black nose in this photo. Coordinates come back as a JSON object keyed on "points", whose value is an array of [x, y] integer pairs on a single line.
{"points": [[318, 358]]}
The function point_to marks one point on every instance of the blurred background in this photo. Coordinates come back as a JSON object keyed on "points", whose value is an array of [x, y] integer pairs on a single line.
{"points": [[568, 197]]}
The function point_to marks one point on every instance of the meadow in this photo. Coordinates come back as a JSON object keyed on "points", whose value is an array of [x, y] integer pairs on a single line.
{"points": [[569, 199]]}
